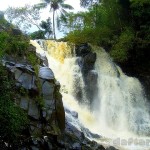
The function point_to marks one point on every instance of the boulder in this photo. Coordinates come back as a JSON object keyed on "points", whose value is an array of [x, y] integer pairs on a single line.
{"points": [[18, 73], [83, 49], [25, 68], [111, 148], [33, 110], [88, 62], [26, 81], [24, 103], [48, 90], [46, 73]]}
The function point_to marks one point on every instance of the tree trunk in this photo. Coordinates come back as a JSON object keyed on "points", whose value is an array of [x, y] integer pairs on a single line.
{"points": [[54, 36]]}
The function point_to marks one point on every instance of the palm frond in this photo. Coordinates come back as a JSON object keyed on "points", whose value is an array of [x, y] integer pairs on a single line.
{"points": [[47, 1], [63, 11], [67, 6]]}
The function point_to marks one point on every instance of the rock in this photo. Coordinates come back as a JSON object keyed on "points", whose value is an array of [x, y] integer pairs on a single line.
{"points": [[60, 112], [26, 81], [32, 48], [90, 134], [74, 114], [57, 84], [48, 90], [25, 68], [88, 62], [83, 49], [44, 114], [100, 147], [49, 103], [111, 148], [76, 135], [76, 146], [91, 86], [18, 73], [33, 110], [24, 103], [92, 77], [46, 73], [34, 148]]}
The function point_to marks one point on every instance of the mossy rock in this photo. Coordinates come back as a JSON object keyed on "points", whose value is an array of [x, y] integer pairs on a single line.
{"points": [[60, 113]]}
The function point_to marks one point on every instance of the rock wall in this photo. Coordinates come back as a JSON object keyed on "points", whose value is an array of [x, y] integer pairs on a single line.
{"points": [[86, 61], [39, 96]]}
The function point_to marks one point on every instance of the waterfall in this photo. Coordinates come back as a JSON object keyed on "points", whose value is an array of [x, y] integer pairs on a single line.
{"points": [[123, 105], [120, 109]]}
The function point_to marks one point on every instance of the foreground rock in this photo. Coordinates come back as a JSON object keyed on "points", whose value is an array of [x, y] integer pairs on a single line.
{"points": [[86, 61]]}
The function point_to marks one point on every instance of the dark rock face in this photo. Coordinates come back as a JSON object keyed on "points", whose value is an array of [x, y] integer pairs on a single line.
{"points": [[44, 106], [74, 137], [46, 73], [86, 61], [111, 148], [83, 49], [145, 80]]}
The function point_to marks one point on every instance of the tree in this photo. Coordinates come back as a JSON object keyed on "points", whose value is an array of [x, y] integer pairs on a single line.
{"points": [[24, 16], [54, 5], [46, 25]]}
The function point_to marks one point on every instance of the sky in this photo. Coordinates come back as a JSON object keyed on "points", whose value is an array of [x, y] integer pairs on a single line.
{"points": [[4, 4], [15, 3]]}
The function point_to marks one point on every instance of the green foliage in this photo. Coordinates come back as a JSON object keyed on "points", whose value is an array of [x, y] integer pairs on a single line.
{"points": [[124, 43], [47, 26], [122, 27], [40, 34], [13, 119], [32, 58], [100, 23], [12, 40], [46, 31]]}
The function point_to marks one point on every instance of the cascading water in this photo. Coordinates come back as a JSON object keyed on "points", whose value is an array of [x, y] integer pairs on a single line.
{"points": [[120, 109]]}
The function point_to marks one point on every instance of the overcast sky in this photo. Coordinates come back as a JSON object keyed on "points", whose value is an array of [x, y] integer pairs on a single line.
{"points": [[4, 4]]}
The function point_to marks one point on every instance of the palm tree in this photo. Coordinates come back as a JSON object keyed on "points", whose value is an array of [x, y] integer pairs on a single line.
{"points": [[55, 5]]}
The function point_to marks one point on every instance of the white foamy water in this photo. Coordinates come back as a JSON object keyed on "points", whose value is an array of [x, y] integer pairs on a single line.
{"points": [[120, 112]]}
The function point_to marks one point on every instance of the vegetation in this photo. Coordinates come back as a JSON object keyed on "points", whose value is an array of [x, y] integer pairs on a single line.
{"points": [[45, 32], [23, 17], [13, 119], [12, 40]]}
